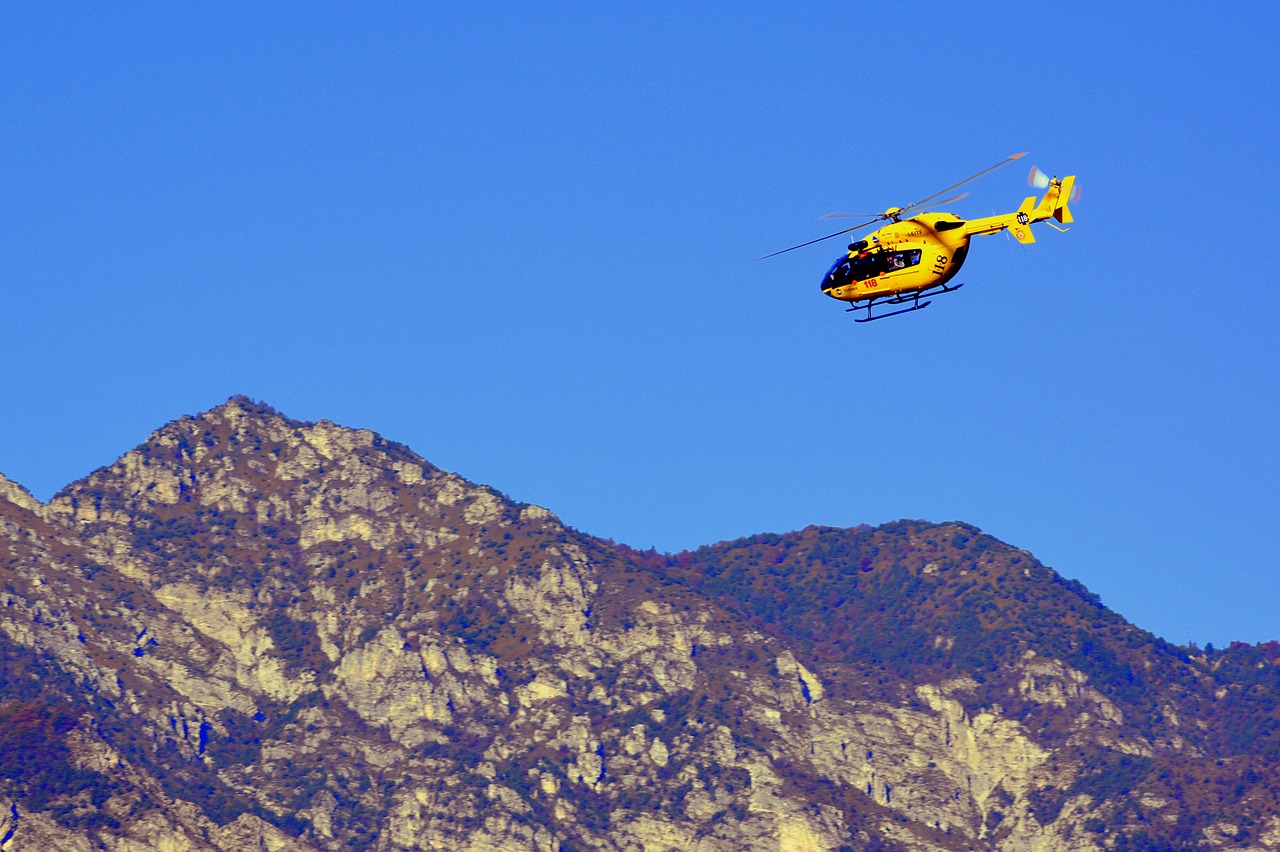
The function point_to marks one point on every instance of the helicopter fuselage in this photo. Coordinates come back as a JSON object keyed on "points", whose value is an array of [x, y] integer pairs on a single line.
{"points": [[915, 254]]}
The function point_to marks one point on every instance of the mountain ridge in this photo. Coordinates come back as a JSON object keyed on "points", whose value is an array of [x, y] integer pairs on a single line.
{"points": [[310, 637]]}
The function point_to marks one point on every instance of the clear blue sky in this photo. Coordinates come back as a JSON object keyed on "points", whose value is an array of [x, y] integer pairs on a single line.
{"points": [[524, 242]]}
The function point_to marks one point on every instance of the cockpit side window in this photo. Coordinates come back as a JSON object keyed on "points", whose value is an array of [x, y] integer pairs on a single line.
{"points": [[895, 260], [864, 265], [847, 269]]}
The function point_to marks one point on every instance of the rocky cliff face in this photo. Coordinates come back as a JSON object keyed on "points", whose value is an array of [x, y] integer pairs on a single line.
{"points": [[255, 633]]}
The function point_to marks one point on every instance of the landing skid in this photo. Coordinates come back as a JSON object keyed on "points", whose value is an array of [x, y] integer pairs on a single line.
{"points": [[912, 299]]}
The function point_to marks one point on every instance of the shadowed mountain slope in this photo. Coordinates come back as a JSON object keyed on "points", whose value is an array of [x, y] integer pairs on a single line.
{"points": [[929, 601]]}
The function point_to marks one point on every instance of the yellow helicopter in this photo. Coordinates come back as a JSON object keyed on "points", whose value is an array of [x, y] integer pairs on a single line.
{"points": [[916, 256]]}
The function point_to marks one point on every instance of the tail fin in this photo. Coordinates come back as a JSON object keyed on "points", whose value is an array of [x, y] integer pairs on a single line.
{"points": [[1055, 201], [1060, 211]]}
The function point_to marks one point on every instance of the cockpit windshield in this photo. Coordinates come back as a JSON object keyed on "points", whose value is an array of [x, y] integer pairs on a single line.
{"points": [[866, 265]]}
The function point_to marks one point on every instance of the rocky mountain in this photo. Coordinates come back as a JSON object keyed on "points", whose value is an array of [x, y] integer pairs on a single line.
{"points": [[256, 633]]}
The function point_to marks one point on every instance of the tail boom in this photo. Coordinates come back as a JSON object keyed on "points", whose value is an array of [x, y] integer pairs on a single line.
{"points": [[1018, 223]]}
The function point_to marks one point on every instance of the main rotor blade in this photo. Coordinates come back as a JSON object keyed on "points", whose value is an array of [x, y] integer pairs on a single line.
{"points": [[820, 239], [885, 215], [953, 198], [898, 213], [1005, 161], [849, 215]]}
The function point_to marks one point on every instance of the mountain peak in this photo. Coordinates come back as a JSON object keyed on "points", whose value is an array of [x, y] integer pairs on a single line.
{"points": [[243, 414], [245, 404], [16, 494]]}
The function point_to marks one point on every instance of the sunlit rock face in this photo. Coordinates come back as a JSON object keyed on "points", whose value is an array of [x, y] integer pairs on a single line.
{"points": [[255, 633]]}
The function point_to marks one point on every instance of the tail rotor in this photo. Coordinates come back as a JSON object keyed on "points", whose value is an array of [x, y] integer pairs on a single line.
{"points": [[1039, 180]]}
